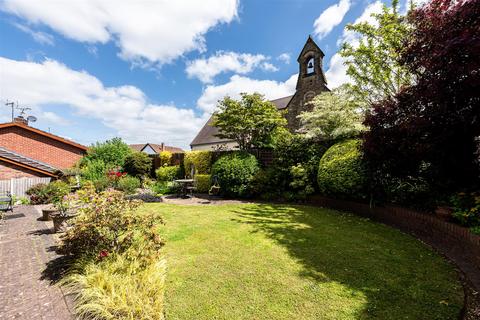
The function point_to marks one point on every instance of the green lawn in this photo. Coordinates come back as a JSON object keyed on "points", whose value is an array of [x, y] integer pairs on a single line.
{"points": [[258, 261]]}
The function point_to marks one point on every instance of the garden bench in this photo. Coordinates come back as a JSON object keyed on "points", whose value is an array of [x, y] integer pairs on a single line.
{"points": [[6, 201]]}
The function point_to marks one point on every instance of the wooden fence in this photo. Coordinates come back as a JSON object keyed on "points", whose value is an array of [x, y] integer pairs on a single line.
{"points": [[18, 186]]}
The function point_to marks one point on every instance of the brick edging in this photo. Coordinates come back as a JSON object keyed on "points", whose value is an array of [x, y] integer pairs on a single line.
{"points": [[455, 242]]}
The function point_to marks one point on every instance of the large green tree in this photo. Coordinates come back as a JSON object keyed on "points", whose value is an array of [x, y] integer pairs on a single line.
{"points": [[111, 152], [251, 121], [372, 56], [335, 115]]}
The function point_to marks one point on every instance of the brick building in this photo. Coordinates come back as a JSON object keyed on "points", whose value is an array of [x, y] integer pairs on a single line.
{"points": [[311, 82], [29, 152]]}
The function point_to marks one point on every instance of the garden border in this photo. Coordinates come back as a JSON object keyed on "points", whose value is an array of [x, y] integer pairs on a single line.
{"points": [[455, 242]]}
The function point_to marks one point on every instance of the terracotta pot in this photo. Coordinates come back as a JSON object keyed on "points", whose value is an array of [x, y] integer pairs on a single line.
{"points": [[444, 213], [47, 214]]}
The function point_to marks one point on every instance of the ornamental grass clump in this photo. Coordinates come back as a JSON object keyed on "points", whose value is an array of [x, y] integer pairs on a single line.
{"points": [[118, 288]]}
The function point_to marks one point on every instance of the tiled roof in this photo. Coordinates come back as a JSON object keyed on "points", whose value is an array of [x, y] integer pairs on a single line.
{"points": [[43, 133], [207, 134], [27, 162], [156, 147]]}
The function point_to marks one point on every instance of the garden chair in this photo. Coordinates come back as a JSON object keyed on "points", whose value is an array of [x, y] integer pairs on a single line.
{"points": [[215, 188], [6, 201], [191, 189]]}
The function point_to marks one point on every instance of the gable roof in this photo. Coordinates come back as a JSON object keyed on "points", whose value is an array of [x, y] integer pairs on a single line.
{"points": [[156, 147], [43, 133], [29, 163], [208, 133], [309, 45]]}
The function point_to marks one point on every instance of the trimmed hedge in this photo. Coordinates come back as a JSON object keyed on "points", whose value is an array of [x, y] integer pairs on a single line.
{"points": [[235, 173], [201, 160], [167, 173], [341, 171], [203, 182]]}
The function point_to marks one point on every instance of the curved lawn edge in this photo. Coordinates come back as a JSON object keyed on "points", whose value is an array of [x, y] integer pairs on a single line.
{"points": [[382, 268], [451, 249]]}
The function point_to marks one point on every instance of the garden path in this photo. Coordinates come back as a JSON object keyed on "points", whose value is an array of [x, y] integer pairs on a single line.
{"points": [[26, 258]]}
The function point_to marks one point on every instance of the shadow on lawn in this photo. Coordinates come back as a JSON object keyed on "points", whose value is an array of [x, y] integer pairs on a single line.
{"points": [[362, 256]]}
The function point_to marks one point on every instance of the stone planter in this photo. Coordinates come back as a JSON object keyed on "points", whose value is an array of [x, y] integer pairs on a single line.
{"points": [[47, 213], [61, 221], [444, 213]]}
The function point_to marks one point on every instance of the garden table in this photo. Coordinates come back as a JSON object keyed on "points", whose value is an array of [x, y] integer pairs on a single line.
{"points": [[184, 183]]}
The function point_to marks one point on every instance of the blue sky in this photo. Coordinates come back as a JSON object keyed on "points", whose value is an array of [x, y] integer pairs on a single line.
{"points": [[151, 71]]}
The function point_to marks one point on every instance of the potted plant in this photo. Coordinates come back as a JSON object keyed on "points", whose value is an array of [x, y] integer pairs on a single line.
{"points": [[62, 215], [47, 212]]}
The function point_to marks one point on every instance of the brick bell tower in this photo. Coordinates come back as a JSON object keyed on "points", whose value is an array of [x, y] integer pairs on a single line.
{"points": [[311, 82]]}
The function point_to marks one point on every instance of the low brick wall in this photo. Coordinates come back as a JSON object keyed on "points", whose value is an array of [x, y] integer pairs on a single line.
{"points": [[454, 241]]}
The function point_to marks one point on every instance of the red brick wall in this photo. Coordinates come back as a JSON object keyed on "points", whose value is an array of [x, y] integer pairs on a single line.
{"points": [[8, 171], [39, 147]]}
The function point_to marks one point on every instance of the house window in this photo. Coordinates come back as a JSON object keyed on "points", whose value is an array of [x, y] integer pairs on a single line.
{"points": [[310, 66]]}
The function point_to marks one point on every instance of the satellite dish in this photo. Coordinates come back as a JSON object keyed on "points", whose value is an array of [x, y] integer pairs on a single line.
{"points": [[31, 118]]}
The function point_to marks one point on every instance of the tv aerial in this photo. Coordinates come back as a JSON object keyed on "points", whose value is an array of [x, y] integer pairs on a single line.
{"points": [[22, 110], [31, 118]]}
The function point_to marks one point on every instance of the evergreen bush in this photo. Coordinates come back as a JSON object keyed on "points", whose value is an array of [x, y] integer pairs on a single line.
{"points": [[341, 171], [235, 173]]}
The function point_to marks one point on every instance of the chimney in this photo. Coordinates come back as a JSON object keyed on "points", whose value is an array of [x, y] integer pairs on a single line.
{"points": [[163, 146], [20, 120]]}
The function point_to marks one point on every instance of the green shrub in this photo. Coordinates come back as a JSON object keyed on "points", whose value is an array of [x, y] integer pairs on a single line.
{"points": [[165, 158], [168, 173], [268, 183], [118, 289], [235, 173], [111, 152], [201, 160], [138, 164], [108, 224], [165, 187], [94, 170], [102, 184], [466, 209], [128, 184], [203, 182], [341, 171], [48, 193], [300, 183]]}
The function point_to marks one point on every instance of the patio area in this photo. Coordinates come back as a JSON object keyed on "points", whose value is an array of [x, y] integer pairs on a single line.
{"points": [[26, 283]]}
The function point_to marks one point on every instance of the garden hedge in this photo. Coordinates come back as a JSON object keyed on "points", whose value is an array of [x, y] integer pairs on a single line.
{"points": [[341, 171], [201, 160], [168, 173], [203, 183]]}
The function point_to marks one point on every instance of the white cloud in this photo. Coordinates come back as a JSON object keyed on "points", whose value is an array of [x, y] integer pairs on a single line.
{"points": [[54, 118], [337, 71], [284, 57], [242, 63], [147, 32], [124, 108], [352, 37], [38, 36], [238, 84], [267, 66], [330, 18]]}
